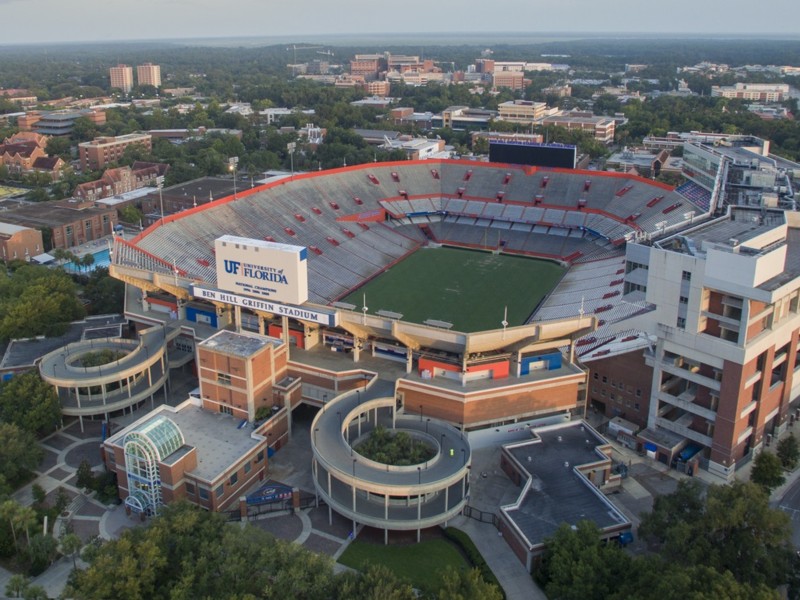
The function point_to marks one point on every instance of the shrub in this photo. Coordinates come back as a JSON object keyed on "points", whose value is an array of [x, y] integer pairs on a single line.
{"points": [[463, 541]]}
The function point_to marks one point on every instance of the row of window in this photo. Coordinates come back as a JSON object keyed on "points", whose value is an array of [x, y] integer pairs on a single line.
{"points": [[614, 384]]}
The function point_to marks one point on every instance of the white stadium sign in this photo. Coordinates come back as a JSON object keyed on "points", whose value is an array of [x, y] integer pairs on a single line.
{"points": [[264, 269], [297, 312]]}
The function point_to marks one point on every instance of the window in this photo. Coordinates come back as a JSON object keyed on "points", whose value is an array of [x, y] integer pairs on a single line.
{"points": [[638, 392], [596, 375], [681, 322], [190, 489], [223, 378], [605, 379], [686, 276], [260, 456], [234, 479], [683, 300], [227, 410], [203, 493], [247, 468], [220, 491], [636, 405]]}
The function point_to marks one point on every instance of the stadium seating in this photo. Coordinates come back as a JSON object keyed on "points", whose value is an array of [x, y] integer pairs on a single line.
{"points": [[498, 209]]}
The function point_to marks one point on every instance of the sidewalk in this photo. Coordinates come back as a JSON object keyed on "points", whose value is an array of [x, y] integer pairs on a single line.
{"points": [[517, 583]]}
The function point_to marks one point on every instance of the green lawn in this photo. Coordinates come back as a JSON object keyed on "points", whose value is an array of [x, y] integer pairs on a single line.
{"points": [[467, 288], [422, 564]]}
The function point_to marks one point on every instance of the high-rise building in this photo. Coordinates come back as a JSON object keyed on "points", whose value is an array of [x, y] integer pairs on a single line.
{"points": [[149, 74], [121, 77]]}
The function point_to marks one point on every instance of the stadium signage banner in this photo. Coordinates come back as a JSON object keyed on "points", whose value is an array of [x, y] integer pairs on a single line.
{"points": [[265, 269], [298, 312]]}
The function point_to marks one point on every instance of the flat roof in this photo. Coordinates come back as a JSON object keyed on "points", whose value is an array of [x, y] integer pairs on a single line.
{"points": [[25, 352], [238, 344], [558, 494], [216, 437]]}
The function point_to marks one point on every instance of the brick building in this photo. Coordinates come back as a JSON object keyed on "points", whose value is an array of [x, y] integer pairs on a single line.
{"points": [[19, 243], [121, 77], [199, 451], [148, 74], [104, 150]]}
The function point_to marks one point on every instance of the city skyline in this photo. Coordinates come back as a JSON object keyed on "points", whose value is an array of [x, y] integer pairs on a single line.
{"points": [[43, 21]]}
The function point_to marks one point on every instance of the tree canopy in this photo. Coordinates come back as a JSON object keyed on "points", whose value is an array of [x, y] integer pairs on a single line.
{"points": [[36, 301], [30, 403], [725, 542], [187, 553]]}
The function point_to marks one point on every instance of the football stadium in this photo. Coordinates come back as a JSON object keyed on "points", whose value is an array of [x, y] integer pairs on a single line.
{"points": [[447, 298]]}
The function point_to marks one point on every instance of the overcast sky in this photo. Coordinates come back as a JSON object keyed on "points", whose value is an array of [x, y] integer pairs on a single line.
{"points": [[36, 21]]}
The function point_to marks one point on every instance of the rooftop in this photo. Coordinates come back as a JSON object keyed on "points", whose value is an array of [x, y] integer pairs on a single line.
{"points": [[238, 344], [216, 437], [23, 353], [558, 494]]}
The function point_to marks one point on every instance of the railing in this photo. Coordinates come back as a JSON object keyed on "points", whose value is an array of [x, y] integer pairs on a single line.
{"points": [[482, 516]]}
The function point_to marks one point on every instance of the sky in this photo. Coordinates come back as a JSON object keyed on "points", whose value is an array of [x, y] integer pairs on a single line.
{"points": [[42, 21]]}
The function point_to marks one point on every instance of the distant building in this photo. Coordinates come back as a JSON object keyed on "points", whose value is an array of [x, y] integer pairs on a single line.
{"points": [[521, 111], [57, 122], [378, 88], [514, 80], [761, 92], [366, 65], [463, 118], [19, 243], [121, 78], [602, 128], [120, 181], [148, 74], [104, 150], [70, 222]]}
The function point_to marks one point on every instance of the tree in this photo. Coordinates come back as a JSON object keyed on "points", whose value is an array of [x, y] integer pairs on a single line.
{"points": [[733, 530], [42, 551], [578, 565], [788, 452], [70, 545], [59, 146], [85, 478], [8, 514], [35, 592], [189, 553], [36, 300], [31, 403], [767, 471], [106, 295], [16, 586], [19, 453], [467, 585]]}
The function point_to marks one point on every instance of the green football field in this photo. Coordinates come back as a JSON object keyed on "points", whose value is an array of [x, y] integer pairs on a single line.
{"points": [[467, 288]]}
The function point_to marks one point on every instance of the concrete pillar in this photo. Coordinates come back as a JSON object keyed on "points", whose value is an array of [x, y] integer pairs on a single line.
{"points": [[261, 327], [285, 330], [237, 312], [409, 360], [287, 404], [295, 499], [356, 349], [243, 508]]}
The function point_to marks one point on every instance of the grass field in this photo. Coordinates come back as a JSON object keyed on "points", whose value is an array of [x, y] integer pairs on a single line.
{"points": [[8, 191], [464, 287], [422, 564]]}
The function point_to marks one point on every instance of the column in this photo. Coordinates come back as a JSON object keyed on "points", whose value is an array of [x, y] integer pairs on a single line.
{"points": [[409, 360], [285, 328], [237, 312]]}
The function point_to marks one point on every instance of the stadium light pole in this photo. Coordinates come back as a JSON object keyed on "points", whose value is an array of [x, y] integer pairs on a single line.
{"points": [[290, 147], [233, 164], [160, 185]]}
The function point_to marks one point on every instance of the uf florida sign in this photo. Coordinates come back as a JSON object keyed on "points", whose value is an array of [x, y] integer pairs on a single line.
{"points": [[278, 272]]}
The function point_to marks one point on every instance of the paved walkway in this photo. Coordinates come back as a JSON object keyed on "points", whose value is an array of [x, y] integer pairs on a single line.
{"points": [[510, 572]]}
